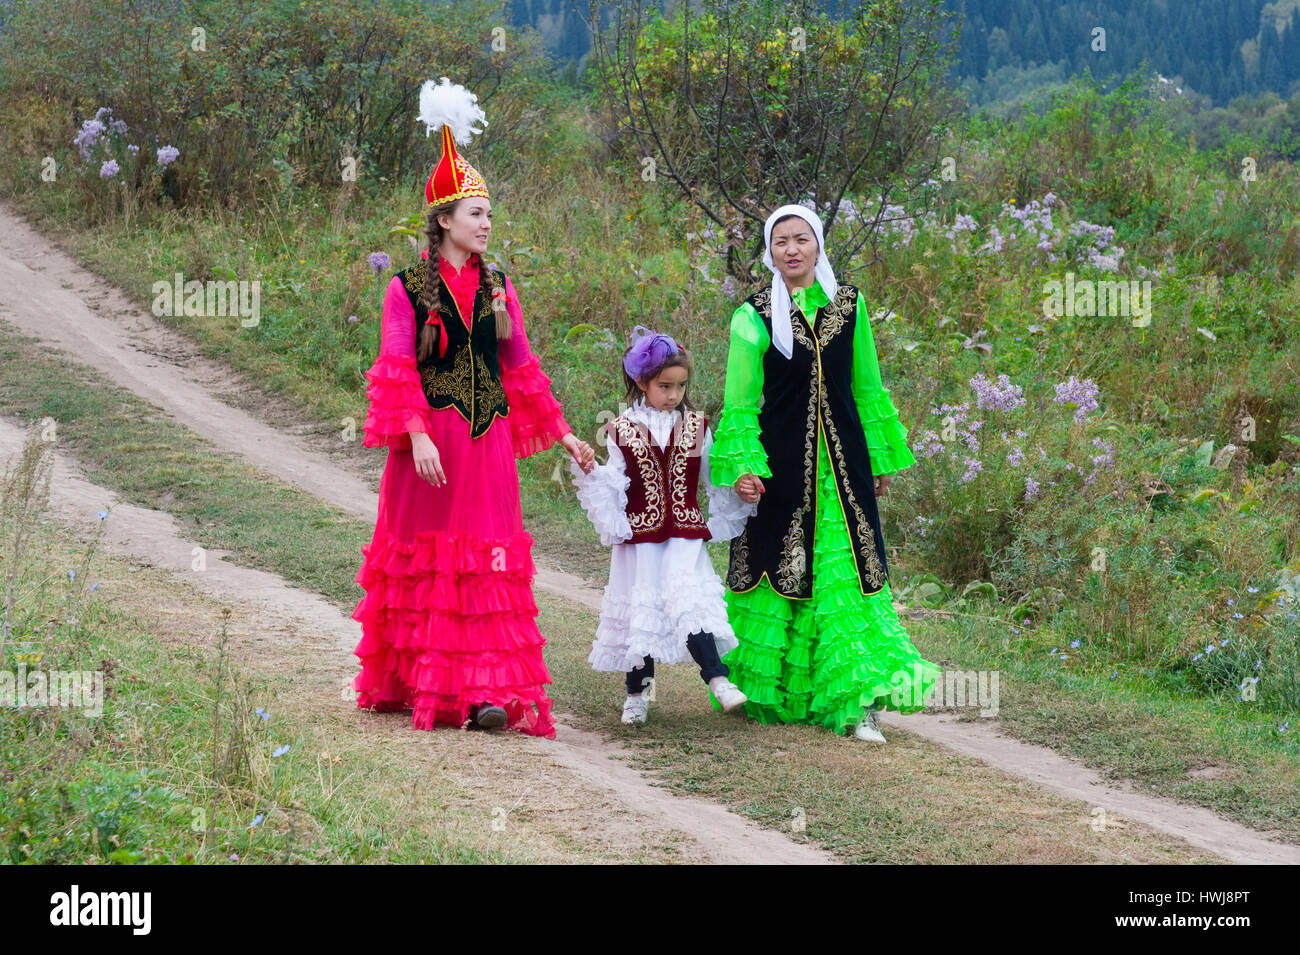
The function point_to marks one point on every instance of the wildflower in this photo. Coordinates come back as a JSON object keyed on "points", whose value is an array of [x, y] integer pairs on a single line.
{"points": [[280, 751], [1075, 644], [257, 821], [1002, 396], [263, 714], [167, 155], [91, 130], [1031, 488], [72, 575], [109, 169], [380, 261], [103, 514], [1081, 394], [94, 585], [1252, 590], [352, 319]]}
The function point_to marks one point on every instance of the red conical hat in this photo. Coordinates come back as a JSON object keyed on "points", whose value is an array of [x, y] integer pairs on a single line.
{"points": [[455, 110], [453, 178]]}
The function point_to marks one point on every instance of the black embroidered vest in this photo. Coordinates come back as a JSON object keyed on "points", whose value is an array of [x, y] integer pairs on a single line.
{"points": [[468, 376], [804, 396]]}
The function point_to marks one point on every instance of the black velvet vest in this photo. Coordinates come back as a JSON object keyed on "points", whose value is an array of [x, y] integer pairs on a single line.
{"points": [[468, 376], [804, 396]]}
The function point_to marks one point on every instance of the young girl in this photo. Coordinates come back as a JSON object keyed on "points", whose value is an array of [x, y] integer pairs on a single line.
{"points": [[664, 601]]}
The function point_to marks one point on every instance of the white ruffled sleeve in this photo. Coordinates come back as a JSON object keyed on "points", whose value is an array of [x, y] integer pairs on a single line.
{"points": [[603, 493], [727, 512]]}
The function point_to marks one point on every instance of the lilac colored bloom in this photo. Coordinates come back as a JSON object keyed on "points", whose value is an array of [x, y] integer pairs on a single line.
{"points": [[1000, 396], [1081, 394], [1016, 457], [133, 149], [352, 319], [1075, 644], [280, 751], [1031, 488], [380, 261], [109, 169], [257, 821], [973, 467], [167, 155], [91, 130], [729, 287]]}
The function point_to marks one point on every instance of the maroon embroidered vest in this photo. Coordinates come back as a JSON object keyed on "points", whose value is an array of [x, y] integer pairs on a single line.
{"points": [[661, 495]]}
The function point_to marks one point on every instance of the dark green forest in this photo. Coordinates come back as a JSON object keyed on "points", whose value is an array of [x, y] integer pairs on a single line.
{"points": [[1218, 49]]}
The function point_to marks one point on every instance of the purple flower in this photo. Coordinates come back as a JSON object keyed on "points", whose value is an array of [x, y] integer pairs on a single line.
{"points": [[1002, 396], [133, 149], [91, 130], [109, 169], [352, 319], [167, 155], [257, 821], [1081, 394], [973, 466], [1075, 644], [1031, 488], [280, 751], [380, 261]]}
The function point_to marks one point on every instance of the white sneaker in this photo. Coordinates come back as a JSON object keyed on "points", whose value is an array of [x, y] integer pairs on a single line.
{"points": [[869, 729], [635, 709], [727, 693]]}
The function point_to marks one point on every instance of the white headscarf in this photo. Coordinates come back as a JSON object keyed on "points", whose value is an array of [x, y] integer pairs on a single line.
{"points": [[782, 330]]}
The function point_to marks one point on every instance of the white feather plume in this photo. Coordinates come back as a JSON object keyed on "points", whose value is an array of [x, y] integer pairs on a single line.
{"points": [[449, 104]]}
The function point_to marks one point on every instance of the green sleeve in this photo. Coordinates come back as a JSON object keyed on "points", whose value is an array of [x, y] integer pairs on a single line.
{"points": [[886, 436], [736, 446]]}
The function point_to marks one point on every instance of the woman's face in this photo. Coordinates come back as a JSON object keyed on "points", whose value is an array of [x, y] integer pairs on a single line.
{"points": [[794, 251], [666, 390], [468, 226]]}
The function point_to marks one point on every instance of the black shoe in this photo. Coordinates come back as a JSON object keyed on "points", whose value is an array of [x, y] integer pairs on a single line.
{"points": [[488, 717]]}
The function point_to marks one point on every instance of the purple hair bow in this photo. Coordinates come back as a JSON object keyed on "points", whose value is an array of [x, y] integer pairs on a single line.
{"points": [[648, 353]]}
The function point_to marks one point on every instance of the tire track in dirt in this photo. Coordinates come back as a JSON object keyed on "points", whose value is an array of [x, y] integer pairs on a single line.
{"points": [[270, 609], [139, 353]]}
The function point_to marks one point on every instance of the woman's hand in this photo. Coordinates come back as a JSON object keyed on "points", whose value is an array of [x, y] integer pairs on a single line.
{"points": [[428, 463], [749, 487], [580, 451], [882, 483]]}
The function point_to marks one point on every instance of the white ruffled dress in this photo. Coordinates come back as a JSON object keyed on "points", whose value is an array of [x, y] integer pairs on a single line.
{"points": [[658, 593]]}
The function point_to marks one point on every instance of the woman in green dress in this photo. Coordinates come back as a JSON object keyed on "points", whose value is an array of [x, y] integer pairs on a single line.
{"points": [[807, 588]]}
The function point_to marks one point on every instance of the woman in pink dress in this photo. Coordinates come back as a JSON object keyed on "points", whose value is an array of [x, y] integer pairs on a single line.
{"points": [[448, 619]]}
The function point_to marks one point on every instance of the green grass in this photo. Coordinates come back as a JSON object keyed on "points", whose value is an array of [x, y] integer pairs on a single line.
{"points": [[765, 772]]}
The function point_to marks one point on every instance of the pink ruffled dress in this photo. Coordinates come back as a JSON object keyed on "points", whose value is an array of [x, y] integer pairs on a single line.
{"points": [[448, 619]]}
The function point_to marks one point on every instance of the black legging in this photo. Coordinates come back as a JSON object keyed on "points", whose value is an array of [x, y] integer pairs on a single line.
{"points": [[703, 651]]}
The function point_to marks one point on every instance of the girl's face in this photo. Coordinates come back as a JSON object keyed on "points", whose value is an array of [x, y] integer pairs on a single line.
{"points": [[794, 251], [665, 390], [468, 226]]}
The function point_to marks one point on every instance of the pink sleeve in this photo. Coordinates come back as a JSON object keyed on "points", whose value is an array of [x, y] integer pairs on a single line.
{"points": [[535, 419], [397, 402]]}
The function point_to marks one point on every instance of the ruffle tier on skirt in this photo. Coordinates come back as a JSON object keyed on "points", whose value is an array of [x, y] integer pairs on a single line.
{"points": [[448, 619], [823, 659]]}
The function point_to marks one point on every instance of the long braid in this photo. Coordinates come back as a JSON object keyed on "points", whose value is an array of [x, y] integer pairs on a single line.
{"points": [[431, 296], [487, 283]]}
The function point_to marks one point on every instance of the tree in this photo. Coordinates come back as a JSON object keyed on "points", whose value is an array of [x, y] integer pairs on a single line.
{"points": [[748, 106]]}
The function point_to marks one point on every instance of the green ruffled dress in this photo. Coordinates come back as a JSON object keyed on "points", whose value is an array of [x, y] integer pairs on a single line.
{"points": [[820, 660]]}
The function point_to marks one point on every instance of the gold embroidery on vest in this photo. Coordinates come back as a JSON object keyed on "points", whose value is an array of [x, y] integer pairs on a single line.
{"points": [[793, 566], [631, 437], [875, 573], [689, 517], [834, 316], [738, 574], [413, 279]]}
